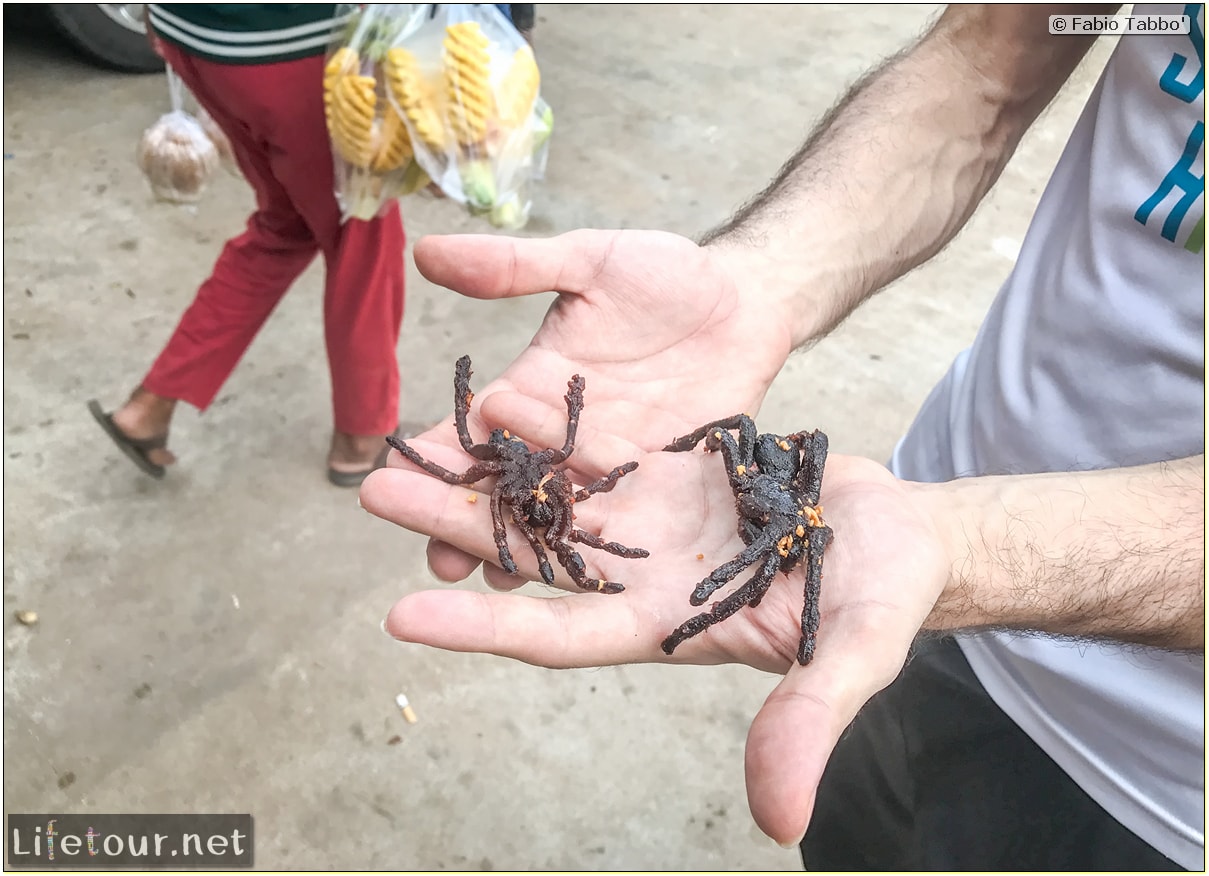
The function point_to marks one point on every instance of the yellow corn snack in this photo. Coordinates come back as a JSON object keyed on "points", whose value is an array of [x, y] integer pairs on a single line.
{"points": [[519, 88], [348, 104], [359, 97], [415, 97], [467, 65], [352, 119], [342, 62], [395, 149], [343, 138], [448, 96]]}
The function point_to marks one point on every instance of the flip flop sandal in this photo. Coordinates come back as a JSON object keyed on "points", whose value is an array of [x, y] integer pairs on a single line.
{"points": [[355, 478], [135, 448]]}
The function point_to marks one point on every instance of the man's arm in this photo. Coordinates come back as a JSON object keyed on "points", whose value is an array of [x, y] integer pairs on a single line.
{"points": [[1109, 554], [896, 169]]}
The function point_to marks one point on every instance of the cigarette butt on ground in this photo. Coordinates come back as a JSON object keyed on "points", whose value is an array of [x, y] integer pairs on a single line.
{"points": [[409, 714]]}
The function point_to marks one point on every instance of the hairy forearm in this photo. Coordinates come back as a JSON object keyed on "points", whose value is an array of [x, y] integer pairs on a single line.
{"points": [[1117, 554], [899, 165]]}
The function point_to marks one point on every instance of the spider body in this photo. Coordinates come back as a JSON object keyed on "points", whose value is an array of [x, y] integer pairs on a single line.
{"points": [[538, 495], [776, 481]]}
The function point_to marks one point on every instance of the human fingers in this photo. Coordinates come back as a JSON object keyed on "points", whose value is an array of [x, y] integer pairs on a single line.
{"points": [[420, 502], [498, 579], [799, 725], [439, 445], [448, 563], [490, 266], [540, 424], [575, 631], [458, 517]]}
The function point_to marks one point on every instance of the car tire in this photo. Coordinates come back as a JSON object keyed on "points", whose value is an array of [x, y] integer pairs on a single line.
{"points": [[108, 33]]}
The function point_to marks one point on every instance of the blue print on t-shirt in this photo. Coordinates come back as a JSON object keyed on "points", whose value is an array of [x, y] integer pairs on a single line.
{"points": [[1176, 82], [1187, 91], [1179, 177]]}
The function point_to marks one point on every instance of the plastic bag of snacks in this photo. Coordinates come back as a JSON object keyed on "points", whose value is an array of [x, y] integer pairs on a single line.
{"points": [[371, 145], [468, 88], [175, 154]]}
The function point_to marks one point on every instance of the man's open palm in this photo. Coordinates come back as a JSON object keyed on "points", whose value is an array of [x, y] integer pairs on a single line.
{"points": [[881, 576]]}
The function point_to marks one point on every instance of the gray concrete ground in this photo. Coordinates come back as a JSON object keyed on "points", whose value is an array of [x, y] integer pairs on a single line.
{"points": [[211, 642]]}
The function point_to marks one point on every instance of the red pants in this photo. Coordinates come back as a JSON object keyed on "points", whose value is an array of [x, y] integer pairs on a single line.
{"points": [[273, 115]]}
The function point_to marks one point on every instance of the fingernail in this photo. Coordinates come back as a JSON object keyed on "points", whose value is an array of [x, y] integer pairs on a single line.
{"points": [[794, 844], [385, 631]]}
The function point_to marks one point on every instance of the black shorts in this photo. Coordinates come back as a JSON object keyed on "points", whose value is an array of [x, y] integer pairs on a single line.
{"points": [[932, 775]]}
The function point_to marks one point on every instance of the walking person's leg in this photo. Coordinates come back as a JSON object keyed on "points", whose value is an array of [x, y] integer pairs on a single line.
{"points": [[363, 314], [364, 285], [273, 114], [250, 277]]}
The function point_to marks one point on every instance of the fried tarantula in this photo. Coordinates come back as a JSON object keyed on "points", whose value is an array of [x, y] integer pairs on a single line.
{"points": [[539, 495], [776, 480]]}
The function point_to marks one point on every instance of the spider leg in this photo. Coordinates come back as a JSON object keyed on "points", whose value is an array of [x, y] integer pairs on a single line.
{"points": [[462, 396], [819, 538], [574, 564], [500, 532], [747, 441], [758, 596], [757, 550], [543, 562], [737, 464], [611, 547], [692, 439], [575, 407], [606, 483], [809, 480], [558, 535], [753, 589], [476, 472]]}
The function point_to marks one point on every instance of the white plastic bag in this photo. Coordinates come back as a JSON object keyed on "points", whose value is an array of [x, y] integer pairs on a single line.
{"points": [[175, 154]]}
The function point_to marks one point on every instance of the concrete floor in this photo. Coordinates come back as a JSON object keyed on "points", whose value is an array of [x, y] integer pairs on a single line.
{"points": [[210, 643]]}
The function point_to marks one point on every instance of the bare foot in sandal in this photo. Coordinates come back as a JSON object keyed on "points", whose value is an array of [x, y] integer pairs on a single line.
{"points": [[147, 417], [352, 457], [354, 452]]}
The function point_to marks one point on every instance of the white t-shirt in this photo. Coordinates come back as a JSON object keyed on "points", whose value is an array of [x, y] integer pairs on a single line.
{"points": [[1093, 356]]}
